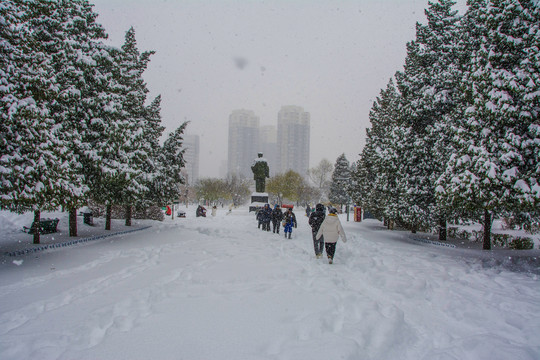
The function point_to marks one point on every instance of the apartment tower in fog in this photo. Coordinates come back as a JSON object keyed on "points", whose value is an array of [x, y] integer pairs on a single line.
{"points": [[243, 142], [293, 136], [191, 157], [268, 146]]}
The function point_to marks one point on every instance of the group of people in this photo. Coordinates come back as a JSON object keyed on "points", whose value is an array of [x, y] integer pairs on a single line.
{"points": [[266, 215], [325, 229]]}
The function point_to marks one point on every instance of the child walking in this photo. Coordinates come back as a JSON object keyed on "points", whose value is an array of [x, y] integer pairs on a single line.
{"points": [[290, 221]]}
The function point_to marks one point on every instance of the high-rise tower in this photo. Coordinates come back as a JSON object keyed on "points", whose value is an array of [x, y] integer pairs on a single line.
{"points": [[293, 136], [243, 142], [191, 157], [268, 146]]}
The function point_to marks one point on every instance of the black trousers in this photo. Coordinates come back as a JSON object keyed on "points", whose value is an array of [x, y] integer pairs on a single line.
{"points": [[330, 249], [276, 225], [317, 244]]}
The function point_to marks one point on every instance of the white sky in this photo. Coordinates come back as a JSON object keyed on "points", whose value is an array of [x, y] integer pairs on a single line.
{"points": [[330, 57]]}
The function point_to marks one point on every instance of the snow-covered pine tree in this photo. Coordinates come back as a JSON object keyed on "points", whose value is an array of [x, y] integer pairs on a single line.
{"points": [[78, 39], [153, 131], [374, 181], [171, 161], [105, 164], [428, 86], [496, 140], [341, 178], [137, 149], [32, 153]]}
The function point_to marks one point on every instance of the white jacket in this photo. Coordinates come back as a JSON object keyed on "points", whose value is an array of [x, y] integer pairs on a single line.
{"points": [[331, 229]]}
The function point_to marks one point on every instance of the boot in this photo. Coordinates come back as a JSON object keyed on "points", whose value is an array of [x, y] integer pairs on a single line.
{"points": [[285, 235], [290, 235]]}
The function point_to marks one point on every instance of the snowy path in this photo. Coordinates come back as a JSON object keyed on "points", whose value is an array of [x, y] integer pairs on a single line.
{"points": [[219, 288]]}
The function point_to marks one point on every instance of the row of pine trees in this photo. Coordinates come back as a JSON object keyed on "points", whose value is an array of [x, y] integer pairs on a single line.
{"points": [[75, 123], [455, 135]]}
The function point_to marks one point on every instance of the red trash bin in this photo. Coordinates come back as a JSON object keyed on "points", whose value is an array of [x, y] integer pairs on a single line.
{"points": [[357, 214]]}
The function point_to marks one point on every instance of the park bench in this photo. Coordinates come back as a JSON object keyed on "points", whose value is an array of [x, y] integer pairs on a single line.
{"points": [[46, 226]]}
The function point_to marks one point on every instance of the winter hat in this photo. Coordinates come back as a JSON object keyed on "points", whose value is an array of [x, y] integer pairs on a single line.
{"points": [[319, 207]]}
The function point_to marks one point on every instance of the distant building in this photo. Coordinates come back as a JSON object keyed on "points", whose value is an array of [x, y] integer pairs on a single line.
{"points": [[268, 146], [293, 137], [243, 142], [191, 157]]}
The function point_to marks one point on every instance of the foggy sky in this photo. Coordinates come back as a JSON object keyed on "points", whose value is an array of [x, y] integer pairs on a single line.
{"points": [[330, 57]]}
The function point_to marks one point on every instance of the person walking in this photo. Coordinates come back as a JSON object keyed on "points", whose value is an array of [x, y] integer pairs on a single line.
{"points": [[277, 216], [259, 217], [266, 217], [331, 229], [315, 220], [290, 221]]}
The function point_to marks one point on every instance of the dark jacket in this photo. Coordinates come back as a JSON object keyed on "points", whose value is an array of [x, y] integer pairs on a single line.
{"points": [[290, 218], [316, 218], [201, 211], [266, 214], [277, 215]]}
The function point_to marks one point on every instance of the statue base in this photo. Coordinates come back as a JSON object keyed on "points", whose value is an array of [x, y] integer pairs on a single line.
{"points": [[258, 200]]}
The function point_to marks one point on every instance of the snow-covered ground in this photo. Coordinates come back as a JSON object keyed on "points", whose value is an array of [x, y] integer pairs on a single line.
{"points": [[219, 288]]}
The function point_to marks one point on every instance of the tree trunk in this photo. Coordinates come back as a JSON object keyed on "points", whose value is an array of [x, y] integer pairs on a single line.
{"points": [[108, 217], [487, 230], [35, 225], [128, 215], [73, 222], [413, 229], [442, 228]]}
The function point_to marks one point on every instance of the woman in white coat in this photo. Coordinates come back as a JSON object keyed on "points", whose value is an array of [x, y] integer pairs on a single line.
{"points": [[331, 229]]}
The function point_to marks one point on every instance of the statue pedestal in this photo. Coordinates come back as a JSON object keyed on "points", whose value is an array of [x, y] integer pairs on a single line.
{"points": [[258, 200]]}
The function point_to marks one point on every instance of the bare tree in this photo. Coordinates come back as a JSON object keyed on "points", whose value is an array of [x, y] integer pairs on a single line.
{"points": [[320, 176]]}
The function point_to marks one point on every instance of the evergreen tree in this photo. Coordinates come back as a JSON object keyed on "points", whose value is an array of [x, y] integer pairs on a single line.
{"points": [[134, 118], [76, 46], [32, 149], [152, 131], [496, 140], [170, 162], [428, 86], [341, 179], [373, 183]]}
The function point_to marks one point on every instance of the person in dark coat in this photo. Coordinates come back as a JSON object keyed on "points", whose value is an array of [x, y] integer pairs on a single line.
{"points": [[201, 211], [259, 217], [315, 220], [266, 217], [277, 216], [290, 221]]}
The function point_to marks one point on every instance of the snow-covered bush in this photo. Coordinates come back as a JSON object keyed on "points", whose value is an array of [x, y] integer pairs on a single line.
{"points": [[521, 243]]}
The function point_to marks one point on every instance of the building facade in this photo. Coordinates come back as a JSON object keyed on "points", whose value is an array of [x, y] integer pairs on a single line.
{"points": [[243, 142], [191, 157], [268, 146], [293, 137]]}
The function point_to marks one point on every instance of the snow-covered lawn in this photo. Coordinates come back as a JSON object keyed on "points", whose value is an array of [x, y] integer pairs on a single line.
{"points": [[219, 288]]}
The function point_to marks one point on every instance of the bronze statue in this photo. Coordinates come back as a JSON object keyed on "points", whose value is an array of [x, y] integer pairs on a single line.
{"points": [[260, 172]]}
